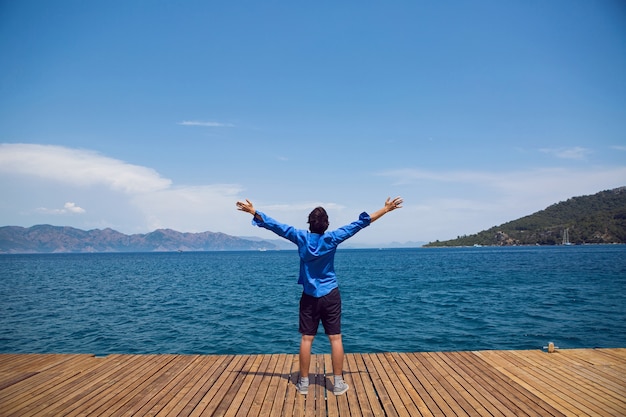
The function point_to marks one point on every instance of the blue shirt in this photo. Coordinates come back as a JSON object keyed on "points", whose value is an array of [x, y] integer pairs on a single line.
{"points": [[317, 252]]}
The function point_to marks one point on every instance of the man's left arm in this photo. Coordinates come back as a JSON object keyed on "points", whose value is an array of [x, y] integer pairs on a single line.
{"points": [[262, 220]]}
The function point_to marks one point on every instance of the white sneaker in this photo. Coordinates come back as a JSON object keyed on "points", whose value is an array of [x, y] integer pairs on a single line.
{"points": [[340, 388], [302, 388]]}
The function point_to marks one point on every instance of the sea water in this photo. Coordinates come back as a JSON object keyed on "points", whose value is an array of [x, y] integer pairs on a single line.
{"points": [[247, 302]]}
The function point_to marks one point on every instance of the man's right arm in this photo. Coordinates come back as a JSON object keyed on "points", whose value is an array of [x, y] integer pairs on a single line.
{"points": [[390, 205]]}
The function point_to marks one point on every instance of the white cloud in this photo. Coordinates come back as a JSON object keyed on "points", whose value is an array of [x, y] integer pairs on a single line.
{"points": [[129, 191], [456, 202], [204, 124], [410, 175], [524, 183], [568, 153], [189, 208], [68, 207], [619, 147], [304, 206], [439, 204], [73, 208], [78, 167]]}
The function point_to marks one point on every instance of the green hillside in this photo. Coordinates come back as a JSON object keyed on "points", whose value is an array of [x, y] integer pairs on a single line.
{"points": [[598, 218]]}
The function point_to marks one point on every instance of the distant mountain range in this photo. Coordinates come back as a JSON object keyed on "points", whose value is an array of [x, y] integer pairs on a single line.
{"points": [[62, 239], [598, 218]]}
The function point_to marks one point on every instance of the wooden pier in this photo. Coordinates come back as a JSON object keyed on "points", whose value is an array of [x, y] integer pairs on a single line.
{"points": [[573, 382]]}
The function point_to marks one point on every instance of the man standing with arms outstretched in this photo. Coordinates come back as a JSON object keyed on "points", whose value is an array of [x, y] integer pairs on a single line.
{"points": [[320, 293]]}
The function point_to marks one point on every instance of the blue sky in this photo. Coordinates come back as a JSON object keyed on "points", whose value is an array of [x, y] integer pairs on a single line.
{"points": [[138, 115]]}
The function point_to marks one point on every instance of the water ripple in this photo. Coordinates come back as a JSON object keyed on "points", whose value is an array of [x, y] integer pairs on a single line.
{"points": [[247, 302]]}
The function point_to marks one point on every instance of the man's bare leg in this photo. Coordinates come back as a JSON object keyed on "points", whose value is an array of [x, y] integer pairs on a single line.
{"points": [[305, 361], [305, 354], [336, 355]]}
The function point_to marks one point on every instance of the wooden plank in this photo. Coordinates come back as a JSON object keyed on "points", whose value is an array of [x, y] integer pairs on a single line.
{"points": [[17, 364], [423, 385], [458, 394], [209, 369], [404, 375], [99, 390], [397, 392], [541, 376], [231, 389], [506, 398], [41, 388], [368, 385], [178, 388], [256, 386], [315, 396], [348, 403], [9, 359], [598, 388], [91, 385], [284, 364], [549, 374], [266, 394], [299, 399], [213, 398], [52, 365], [604, 376], [464, 385], [444, 389], [482, 398], [593, 356], [504, 361], [309, 399], [616, 357], [358, 387], [291, 393], [343, 401], [247, 374], [319, 387], [493, 390], [616, 375], [332, 407], [12, 379], [419, 394], [414, 388], [582, 377], [160, 387], [206, 388], [34, 363], [569, 382], [404, 403], [512, 395], [381, 384], [127, 381], [520, 375], [134, 384], [601, 394]]}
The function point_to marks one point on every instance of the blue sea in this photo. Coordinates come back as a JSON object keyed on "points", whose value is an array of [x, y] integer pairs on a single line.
{"points": [[247, 302]]}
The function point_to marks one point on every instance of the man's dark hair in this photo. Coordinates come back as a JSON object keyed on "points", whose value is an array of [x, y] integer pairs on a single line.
{"points": [[318, 220]]}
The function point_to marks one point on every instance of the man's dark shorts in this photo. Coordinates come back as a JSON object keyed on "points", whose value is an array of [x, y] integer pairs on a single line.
{"points": [[326, 308]]}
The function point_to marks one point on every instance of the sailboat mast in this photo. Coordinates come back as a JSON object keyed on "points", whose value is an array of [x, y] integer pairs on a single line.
{"points": [[566, 236]]}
